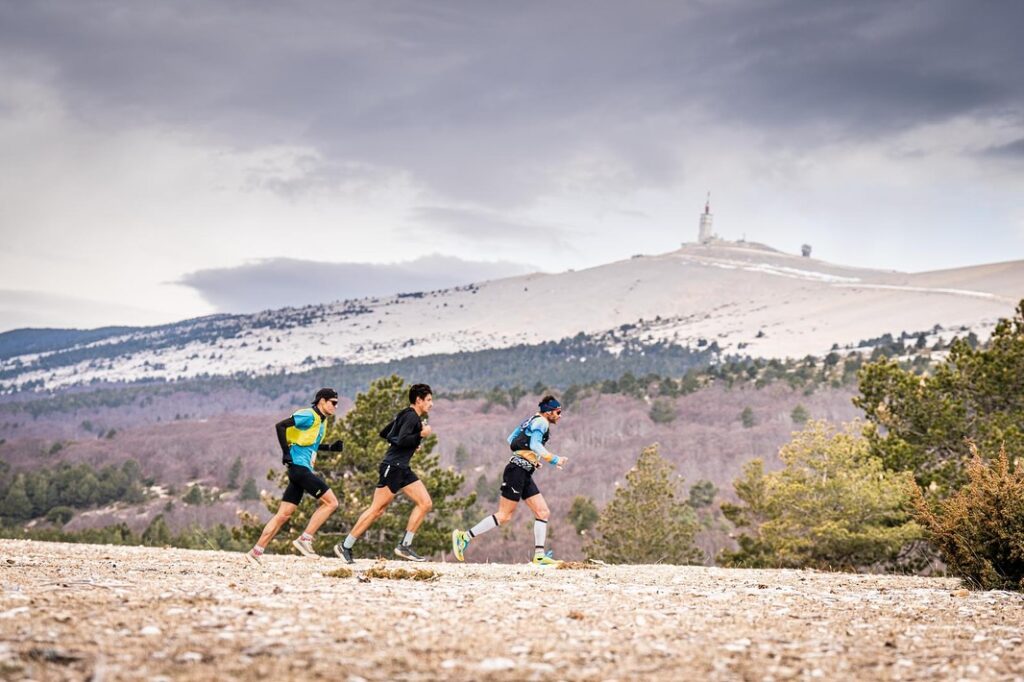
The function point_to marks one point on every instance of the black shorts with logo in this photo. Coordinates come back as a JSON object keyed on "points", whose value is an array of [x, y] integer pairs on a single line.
{"points": [[302, 480], [395, 476], [517, 483]]}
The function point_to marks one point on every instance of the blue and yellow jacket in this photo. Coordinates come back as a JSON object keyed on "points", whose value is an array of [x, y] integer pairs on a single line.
{"points": [[300, 437]]}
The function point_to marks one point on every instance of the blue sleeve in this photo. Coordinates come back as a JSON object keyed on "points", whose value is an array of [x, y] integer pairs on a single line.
{"points": [[537, 429], [303, 419]]}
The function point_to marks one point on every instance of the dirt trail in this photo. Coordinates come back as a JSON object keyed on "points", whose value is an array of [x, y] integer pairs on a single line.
{"points": [[119, 613]]}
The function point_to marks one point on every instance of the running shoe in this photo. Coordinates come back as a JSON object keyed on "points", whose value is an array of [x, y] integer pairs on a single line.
{"points": [[545, 560], [407, 552], [344, 552], [460, 541], [253, 558], [305, 547]]}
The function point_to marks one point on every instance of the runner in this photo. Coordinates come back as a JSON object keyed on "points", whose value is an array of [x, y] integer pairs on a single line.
{"points": [[404, 433], [301, 436], [527, 444]]}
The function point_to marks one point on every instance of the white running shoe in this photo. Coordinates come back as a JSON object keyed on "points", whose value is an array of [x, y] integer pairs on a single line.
{"points": [[305, 547], [254, 559]]}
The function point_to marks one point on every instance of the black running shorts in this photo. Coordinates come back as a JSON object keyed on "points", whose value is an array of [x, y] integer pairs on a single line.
{"points": [[517, 483], [302, 480], [395, 477]]}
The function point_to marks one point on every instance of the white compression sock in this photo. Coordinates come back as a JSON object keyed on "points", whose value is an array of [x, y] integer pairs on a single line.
{"points": [[540, 534], [490, 523]]}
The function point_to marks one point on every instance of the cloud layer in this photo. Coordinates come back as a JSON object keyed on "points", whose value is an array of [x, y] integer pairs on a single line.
{"points": [[281, 282], [517, 89]]}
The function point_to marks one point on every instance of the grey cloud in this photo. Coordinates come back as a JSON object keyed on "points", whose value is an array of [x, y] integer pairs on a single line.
{"points": [[281, 282], [48, 310], [486, 227], [1012, 150], [482, 102]]}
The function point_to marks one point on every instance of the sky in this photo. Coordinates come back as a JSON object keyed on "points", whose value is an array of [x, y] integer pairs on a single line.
{"points": [[161, 161]]}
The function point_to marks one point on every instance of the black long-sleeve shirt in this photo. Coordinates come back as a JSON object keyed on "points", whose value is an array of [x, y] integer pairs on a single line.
{"points": [[282, 438], [404, 436]]}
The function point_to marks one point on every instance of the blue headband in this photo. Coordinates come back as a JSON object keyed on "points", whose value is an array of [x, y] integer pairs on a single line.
{"points": [[549, 405]]}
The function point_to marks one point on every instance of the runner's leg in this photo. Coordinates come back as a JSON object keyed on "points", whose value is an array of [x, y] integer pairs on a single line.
{"points": [[276, 522], [417, 492], [382, 497], [506, 509], [328, 504], [511, 488], [541, 514]]}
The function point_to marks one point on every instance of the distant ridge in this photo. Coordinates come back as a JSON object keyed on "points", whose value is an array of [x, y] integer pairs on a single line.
{"points": [[748, 298]]}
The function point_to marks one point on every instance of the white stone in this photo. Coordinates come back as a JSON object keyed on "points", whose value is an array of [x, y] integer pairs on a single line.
{"points": [[496, 664]]}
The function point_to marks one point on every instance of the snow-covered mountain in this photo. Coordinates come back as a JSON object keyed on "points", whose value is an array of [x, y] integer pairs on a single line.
{"points": [[748, 298]]}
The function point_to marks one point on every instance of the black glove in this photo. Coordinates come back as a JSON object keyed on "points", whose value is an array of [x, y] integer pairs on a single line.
{"points": [[336, 446]]}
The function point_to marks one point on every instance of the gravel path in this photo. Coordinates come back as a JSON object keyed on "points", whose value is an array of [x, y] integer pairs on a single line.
{"points": [[117, 613]]}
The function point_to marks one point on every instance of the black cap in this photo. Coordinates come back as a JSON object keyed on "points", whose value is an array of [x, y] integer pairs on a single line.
{"points": [[325, 394]]}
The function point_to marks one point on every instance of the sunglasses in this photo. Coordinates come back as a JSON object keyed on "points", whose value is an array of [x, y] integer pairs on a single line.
{"points": [[558, 412], [333, 402]]}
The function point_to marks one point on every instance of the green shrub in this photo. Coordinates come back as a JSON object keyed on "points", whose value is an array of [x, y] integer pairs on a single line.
{"points": [[583, 514], [747, 417], [194, 495], [831, 506], [663, 411], [702, 494], [249, 490], [60, 515]]}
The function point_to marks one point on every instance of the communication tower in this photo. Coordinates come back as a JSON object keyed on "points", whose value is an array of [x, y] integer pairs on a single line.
{"points": [[705, 234]]}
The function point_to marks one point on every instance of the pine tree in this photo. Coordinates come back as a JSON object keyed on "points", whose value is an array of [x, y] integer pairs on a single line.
{"points": [[157, 534], [799, 415], [15, 504], [831, 506], [249, 490], [702, 494], [59, 516], [647, 520], [461, 456], [234, 473], [194, 495], [583, 514], [747, 417], [923, 424], [663, 411], [5, 478]]}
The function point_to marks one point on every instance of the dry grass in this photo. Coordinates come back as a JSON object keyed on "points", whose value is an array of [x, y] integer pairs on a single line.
{"points": [[339, 573], [576, 566], [422, 574]]}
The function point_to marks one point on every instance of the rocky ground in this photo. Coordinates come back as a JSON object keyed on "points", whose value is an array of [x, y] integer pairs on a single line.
{"points": [[117, 613]]}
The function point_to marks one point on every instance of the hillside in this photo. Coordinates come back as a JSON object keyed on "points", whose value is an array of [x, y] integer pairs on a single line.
{"points": [[747, 299], [116, 613]]}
